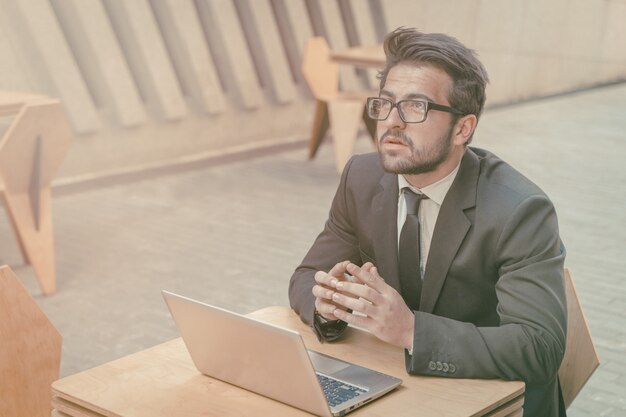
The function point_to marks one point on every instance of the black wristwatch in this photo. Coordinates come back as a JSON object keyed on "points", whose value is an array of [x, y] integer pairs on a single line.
{"points": [[327, 330]]}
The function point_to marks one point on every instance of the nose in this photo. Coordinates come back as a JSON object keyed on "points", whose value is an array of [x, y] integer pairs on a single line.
{"points": [[394, 120]]}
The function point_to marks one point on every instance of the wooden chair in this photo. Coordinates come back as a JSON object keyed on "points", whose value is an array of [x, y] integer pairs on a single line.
{"points": [[581, 358], [341, 111], [30, 352], [31, 152]]}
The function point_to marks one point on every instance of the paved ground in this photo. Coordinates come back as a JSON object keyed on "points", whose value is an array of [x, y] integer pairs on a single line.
{"points": [[232, 234]]}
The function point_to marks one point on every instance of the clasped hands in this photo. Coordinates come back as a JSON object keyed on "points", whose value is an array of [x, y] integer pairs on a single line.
{"points": [[383, 312]]}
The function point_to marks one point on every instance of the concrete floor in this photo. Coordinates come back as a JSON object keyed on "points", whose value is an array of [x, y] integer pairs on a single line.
{"points": [[232, 234]]}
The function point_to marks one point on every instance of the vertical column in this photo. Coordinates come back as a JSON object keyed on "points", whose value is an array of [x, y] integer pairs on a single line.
{"points": [[266, 49], [188, 49], [228, 44], [146, 55], [99, 56]]}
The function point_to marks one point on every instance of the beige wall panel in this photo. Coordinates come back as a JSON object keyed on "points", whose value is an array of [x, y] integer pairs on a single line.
{"points": [[229, 47], [267, 49], [13, 78], [188, 49], [364, 24], [499, 26], [331, 17], [613, 49], [584, 29], [611, 71], [538, 75], [578, 73], [409, 13], [501, 68], [295, 25], [100, 58], [147, 57], [453, 17], [42, 53], [542, 29]]}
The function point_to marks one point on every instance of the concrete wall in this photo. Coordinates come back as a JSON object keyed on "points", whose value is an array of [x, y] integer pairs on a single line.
{"points": [[151, 82]]}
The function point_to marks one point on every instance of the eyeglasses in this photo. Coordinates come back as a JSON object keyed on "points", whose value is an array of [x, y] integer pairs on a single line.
{"points": [[410, 111]]}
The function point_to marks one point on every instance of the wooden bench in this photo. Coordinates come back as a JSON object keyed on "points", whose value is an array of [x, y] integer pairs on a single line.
{"points": [[31, 151], [580, 359], [340, 111]]}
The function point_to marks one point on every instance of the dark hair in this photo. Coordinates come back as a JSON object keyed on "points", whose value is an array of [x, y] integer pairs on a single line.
{"points": [[469, 78]]}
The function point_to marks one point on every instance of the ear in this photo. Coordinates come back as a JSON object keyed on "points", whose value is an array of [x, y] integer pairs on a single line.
{"points": [[464, 128]]}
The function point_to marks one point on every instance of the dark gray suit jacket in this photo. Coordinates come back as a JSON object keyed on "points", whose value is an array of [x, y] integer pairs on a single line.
{"points": [[493, 299]]}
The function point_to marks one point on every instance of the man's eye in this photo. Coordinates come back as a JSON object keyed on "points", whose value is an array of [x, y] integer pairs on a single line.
{"points": [[415, 106]]}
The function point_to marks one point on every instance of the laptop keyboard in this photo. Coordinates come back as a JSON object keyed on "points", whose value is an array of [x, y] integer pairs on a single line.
{"points": [[337, 391]]}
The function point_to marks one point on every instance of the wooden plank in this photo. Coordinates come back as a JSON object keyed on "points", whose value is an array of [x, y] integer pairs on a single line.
{"points": [[222, 26], [69, 409], [363, 22], [146, 55], [38, 41], [507, 409], [188, 48], [295, 26], [30, 354], [336, 36], [100, 58], [266, 48]]}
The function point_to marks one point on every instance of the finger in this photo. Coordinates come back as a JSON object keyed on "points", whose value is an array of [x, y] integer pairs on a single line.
{"points": [[339, 269], [320, 291], [359, 290], [353, 304], [327, 310], [371, 278], [325, 279], [367, 266], [360, 321]]}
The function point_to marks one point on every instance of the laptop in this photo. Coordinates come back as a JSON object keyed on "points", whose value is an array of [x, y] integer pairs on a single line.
{"points": [[272, 361]]}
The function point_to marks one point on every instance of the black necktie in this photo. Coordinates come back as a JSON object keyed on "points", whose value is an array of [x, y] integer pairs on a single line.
{"points": [[409, 251]]}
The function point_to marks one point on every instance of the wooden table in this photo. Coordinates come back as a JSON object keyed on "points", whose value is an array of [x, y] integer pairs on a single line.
{"points": [[361, 56], [162, 381]]}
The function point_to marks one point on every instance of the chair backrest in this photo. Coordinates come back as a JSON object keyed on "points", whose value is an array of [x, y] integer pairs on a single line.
{"points": [[30, 351], [581, 358], [319, 71]]}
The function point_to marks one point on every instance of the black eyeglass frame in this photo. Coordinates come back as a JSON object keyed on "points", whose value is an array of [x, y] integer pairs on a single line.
{"points": [[429, 106]]}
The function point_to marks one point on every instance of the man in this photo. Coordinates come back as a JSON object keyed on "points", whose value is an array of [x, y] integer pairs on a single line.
{"points": [[437, 247]]}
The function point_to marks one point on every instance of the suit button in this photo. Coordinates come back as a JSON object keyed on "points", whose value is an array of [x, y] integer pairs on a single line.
{"points": [[432, 366], [446, 367], [439, 366], [452, 368]]}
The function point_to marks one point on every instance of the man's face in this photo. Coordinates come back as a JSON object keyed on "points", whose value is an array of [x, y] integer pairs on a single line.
{"points": [[415, 148]]}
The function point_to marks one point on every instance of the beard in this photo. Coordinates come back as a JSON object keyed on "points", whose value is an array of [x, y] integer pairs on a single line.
{"points": [[421, 160]]}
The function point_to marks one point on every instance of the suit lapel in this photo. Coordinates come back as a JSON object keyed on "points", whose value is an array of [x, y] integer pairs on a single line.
{"points": [[385, 239], [450, 230]]}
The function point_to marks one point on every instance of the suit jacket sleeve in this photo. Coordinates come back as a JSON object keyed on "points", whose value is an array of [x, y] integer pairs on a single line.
{"points": [[529, 342], [336, 243]]}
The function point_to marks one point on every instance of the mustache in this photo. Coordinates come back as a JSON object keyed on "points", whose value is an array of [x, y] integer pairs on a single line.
{"points": [[397, 134]]}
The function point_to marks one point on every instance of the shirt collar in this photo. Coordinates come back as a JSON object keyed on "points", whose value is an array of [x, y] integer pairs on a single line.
{"points": [[436, 191]]}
